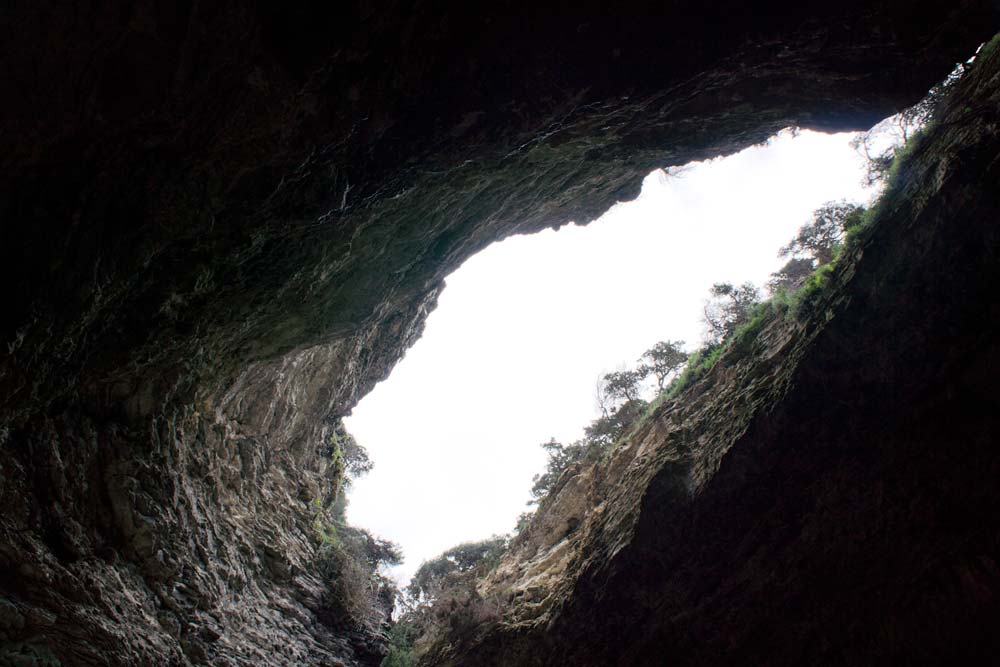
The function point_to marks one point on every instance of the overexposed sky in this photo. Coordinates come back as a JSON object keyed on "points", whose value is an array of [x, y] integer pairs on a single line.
{"points": [[523, 330]]}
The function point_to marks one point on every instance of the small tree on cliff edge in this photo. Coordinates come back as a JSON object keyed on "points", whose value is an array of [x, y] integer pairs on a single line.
{"points": [[662, 361], [820, 238], [728, 307], [791, 276], [560, 458], [623, 386]]}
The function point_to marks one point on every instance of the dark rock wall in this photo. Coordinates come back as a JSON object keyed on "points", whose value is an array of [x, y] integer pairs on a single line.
{"points": [[223, 222], [188, 189], [825, 497]]}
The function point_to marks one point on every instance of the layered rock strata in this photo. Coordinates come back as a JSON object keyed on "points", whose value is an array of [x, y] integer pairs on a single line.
{"points": [[826, 494], [223, 223]]}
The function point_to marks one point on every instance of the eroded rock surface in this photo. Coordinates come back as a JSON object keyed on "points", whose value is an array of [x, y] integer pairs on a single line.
{"points": [[223, 222], [825, 495]]}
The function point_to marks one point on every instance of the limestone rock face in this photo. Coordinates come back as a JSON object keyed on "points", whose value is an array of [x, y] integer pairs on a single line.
{"points": [[825, 495], [223, 222]]}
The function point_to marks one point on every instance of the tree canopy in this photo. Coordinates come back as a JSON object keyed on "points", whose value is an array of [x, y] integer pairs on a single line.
{"points": [[561, 457], [432, 576], [663, 360], [728, 307], [819, 239], [622, 386]]}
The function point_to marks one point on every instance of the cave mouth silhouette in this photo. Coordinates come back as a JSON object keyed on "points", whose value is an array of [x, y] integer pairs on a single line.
{"points": [[524, 328]]}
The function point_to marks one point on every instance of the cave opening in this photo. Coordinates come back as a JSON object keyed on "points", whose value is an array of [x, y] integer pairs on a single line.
{"points": [[526, 328], [224, 226]]}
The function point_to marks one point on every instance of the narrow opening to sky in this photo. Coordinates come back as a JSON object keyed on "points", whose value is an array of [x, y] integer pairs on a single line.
{"points": [[524, 329]]}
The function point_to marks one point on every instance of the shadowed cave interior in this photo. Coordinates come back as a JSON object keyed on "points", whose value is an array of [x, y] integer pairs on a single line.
{"points": [[222, 225]]}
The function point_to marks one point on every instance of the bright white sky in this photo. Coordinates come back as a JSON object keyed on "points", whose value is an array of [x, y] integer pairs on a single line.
{"points": [[521, 333]]}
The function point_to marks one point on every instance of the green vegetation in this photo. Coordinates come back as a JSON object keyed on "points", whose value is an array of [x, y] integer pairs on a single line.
{"points": [[818, 281], [622, 385], [621, 405], [989, 46], [561, 457], [343, 445], [735, 315], [437, 574], [699, 363], [351, 564], [350, 560], [443, 596], [728, 308], [401, 646], [791, 276], [663, 360], [898, 133], [818, 242]]}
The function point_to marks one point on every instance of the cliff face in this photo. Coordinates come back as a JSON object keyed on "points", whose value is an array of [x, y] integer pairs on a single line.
{"points": [[826, 494], [222, 224]]}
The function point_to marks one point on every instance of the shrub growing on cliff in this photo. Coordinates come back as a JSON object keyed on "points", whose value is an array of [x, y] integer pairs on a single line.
{"points": [[401, 645], [727, 308], [342, 444], [602, 433], [523, 520], [881, 145], [351, 565], [455, 612], [791, 276], [820, 239], [698, 365], [349, 560], [561, 457], [599, 438], [433, 576], [814, 253], [345, 460], [442, 597]]}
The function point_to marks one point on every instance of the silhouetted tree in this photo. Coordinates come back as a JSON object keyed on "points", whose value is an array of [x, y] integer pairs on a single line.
{"points": [[728, 307], [379, 552], [605, 403], [895, 131], [820, 238], [662, 361], [623, 386], [604, 432], [560, 457], [877, 163]]}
